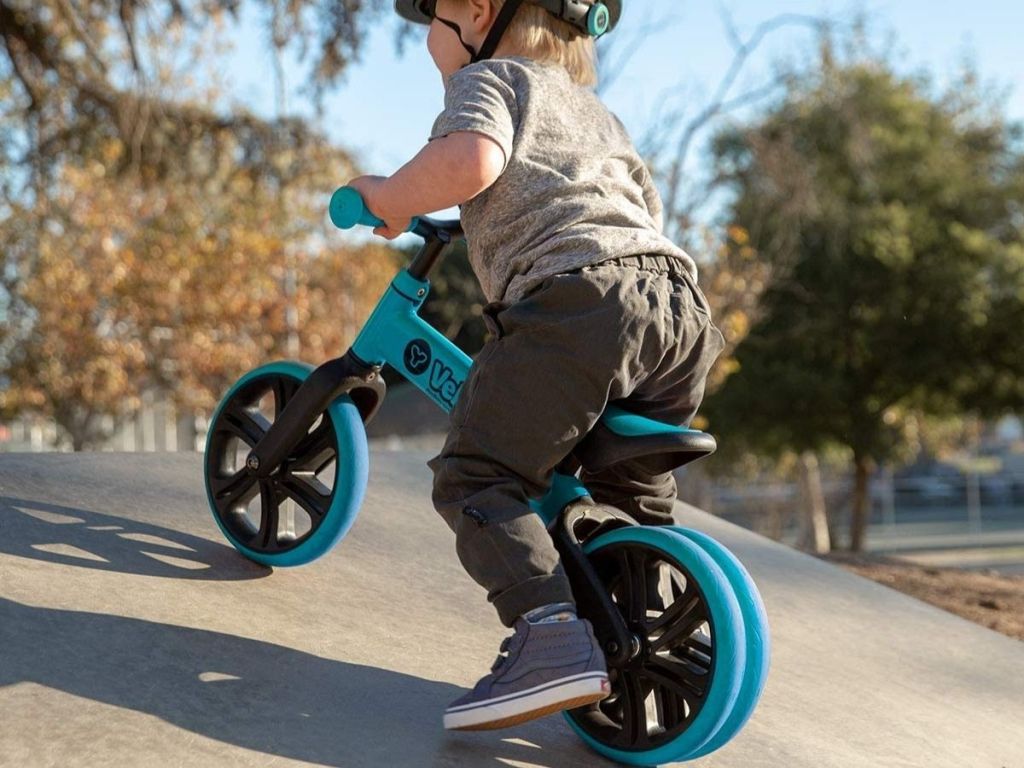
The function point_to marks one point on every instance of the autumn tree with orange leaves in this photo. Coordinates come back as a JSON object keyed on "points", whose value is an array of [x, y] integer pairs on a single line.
{"points": [[146, 232]]}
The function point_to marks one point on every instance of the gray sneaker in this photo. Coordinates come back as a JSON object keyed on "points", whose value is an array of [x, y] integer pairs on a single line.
{"points": [[549, 667]]}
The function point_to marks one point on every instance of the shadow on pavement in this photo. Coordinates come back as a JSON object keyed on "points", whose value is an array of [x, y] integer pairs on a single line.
{"points": [[254, 694], [82, 537]]}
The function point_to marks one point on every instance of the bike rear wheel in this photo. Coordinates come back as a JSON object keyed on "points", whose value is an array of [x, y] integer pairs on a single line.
{"points": [[683, 679], [756, 633], [307, 505]]}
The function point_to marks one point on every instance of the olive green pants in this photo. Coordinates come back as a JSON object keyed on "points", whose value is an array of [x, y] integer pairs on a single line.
{"points": [[634, 331]]}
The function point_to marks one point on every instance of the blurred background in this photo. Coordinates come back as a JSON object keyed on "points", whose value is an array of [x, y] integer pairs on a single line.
{"points": [[850, 180]]}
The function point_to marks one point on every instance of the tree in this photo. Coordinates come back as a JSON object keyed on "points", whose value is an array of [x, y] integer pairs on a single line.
{"points": [[145, 230], [891, 220], [173, 287], [731, 274], [91, 71]]}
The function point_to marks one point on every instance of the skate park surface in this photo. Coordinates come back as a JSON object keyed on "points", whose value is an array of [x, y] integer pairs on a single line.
{"points": [[132, 634]]}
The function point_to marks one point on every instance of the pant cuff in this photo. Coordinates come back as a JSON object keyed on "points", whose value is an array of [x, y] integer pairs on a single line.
{"points": [[532, 593]]}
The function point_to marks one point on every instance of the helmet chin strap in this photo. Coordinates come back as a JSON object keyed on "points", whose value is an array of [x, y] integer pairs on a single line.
{"points": [[508, 11], [458, 31]]}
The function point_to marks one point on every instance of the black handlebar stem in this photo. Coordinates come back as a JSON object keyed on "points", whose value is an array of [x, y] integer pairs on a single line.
{"points": [[438, 234]]}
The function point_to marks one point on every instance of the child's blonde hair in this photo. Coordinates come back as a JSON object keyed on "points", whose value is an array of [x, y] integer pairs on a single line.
{"points": [[536, 33]]}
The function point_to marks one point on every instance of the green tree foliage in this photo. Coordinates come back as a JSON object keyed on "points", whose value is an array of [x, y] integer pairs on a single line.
{"points": [[892, 221]]}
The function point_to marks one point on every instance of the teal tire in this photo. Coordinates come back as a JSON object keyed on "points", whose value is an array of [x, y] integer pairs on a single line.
{"points": [[756, 634], [693, 683], [300, 512]]}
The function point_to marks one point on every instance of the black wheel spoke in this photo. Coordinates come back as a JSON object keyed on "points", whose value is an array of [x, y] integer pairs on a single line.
{"points": [[683, 608], [232, 490], [267, 534], [666, 702], [688, 654], [241, 423], [698, 645], [316, 449], [632, 564], [634, 711], [675, 677], [284, 388], [671, 707], [324, 464], [681, 630], [301, 492]]}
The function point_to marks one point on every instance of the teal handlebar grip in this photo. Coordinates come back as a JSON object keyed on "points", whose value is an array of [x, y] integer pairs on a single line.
{"points": [[348, 209]]}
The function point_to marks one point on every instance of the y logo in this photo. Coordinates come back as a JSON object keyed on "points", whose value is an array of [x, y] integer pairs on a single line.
{"points": [[442, 378], [417, 356]]}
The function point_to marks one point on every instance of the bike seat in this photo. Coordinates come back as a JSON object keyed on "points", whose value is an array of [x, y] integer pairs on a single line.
{"points": [[620, 436]]}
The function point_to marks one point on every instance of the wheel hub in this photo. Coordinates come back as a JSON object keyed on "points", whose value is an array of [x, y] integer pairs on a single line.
{"points": [[637, 649], [636, 645]]}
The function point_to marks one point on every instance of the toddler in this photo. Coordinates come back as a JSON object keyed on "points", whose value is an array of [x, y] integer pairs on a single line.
{"points": [[588, 303]]}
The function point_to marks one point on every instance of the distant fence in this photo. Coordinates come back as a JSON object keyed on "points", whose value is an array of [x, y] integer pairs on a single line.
{"points": [[157, 426], [978, 500]]}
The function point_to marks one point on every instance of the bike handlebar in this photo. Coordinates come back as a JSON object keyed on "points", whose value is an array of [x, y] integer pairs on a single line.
{"points": [[348, 210]]}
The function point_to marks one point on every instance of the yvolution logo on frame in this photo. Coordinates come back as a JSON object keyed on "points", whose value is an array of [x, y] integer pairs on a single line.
{"points": [[417, 356], [442, 378]]}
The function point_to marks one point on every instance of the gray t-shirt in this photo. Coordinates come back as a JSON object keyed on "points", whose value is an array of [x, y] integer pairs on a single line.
{"points": [[574, 191]]}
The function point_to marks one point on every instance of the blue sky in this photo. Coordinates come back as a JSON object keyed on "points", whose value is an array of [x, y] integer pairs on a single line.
{"points": [[384, 109]]}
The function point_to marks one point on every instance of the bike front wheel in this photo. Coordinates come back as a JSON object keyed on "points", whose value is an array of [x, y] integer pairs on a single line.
{"points": [[308, 504]]}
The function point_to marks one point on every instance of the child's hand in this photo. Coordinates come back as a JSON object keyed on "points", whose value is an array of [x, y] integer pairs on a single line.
{"points": [[374, 192], [390, 232]]}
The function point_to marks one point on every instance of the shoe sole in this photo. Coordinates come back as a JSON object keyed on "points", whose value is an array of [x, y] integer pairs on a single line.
{"points": [[530, 704]]}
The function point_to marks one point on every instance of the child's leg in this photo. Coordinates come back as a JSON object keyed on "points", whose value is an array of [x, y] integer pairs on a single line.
{"points": [[532, 393], [578, 341], [558, 356], [513, 422]]}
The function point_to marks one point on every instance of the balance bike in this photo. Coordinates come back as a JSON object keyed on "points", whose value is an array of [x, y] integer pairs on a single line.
{"points": [[680, 620]]}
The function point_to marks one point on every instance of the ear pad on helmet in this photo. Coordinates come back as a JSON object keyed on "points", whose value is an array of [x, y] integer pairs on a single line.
{"points": [[598, 19]]}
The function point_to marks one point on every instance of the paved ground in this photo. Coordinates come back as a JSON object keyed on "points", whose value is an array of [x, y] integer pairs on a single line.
{"points": [[131, 634]]}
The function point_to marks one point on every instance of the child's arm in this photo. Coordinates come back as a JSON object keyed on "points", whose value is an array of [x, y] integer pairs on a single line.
{"points": [[447, 171]]}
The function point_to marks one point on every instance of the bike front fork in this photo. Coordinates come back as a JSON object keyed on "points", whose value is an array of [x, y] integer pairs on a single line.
{"points": [[345, 375], [580, 521]]}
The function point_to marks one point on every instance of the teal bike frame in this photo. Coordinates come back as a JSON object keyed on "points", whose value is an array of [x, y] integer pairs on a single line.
{"points": [[395, 334]]}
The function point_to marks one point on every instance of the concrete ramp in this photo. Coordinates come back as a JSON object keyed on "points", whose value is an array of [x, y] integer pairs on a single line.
{"points": [[131, 634]]}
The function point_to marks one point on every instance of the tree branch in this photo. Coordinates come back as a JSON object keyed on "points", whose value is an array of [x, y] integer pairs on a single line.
{"points": [[719, 103], [71, 16], [609, 72], [126, 13]]}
